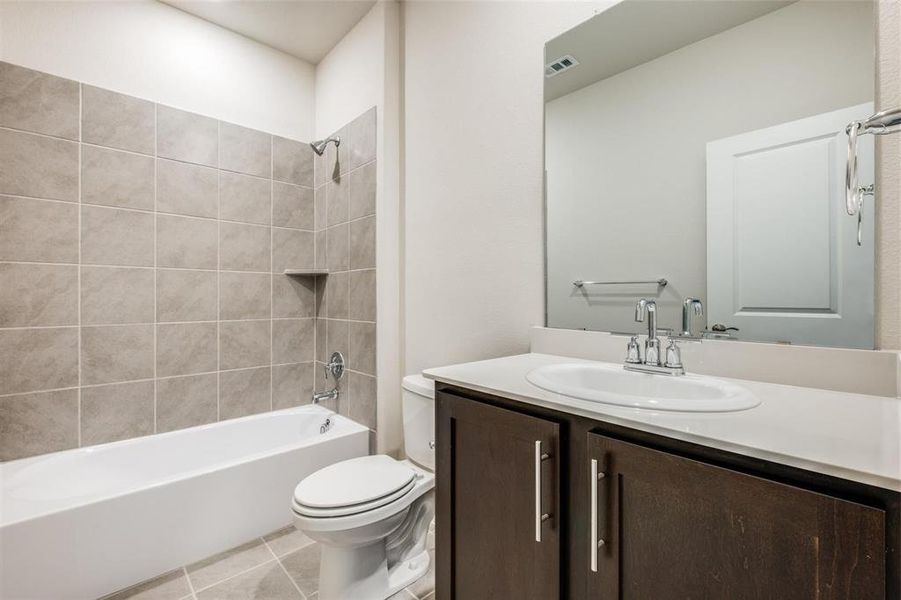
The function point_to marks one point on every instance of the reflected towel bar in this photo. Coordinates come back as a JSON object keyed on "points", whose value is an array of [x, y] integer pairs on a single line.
{"points": [[580, 283]]}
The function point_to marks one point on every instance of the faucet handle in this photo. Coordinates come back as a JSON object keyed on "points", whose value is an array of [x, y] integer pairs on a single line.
{"points": [[673, 355], [633, 351]]}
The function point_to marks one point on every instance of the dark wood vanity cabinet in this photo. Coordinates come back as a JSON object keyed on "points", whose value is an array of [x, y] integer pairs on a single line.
{"points": [[669, 520]]}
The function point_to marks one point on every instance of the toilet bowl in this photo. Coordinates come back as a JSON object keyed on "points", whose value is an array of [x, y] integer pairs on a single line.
{"points": [[371, 514]]}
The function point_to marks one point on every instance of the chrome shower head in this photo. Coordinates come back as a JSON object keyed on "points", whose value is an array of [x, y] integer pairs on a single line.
{"points": [[319, 146]]}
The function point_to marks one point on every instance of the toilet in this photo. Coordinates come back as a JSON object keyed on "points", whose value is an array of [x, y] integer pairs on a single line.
{"points": [[371, 514]]}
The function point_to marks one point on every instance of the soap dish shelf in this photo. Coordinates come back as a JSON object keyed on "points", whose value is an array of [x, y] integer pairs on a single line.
{"points": [[306, 272]]}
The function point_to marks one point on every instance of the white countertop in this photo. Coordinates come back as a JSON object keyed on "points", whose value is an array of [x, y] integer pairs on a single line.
{"points": [[851, 436]]}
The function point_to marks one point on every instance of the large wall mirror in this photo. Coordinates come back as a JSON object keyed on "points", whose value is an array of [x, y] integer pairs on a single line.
{"points": [[697, 150]]}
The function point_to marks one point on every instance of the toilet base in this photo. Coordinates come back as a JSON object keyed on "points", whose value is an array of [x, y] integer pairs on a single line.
{"points": [[362, 573]]}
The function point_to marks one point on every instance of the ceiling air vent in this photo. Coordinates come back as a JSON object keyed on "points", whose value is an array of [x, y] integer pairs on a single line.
{"points": [[563, 63]]}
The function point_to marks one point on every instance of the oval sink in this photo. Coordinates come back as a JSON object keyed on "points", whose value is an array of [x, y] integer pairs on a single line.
{"points": [[611, 384]]}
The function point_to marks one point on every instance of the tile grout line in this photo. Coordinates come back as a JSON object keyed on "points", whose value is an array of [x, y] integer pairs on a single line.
{"points": [[184, 570]]}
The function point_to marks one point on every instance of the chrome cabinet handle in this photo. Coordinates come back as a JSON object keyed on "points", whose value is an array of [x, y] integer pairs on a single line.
{"points": [[539, 516], [595, 542]]}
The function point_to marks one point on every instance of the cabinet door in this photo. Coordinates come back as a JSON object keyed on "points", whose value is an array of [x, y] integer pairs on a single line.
{"points": [[498, 498], [674, 528]]}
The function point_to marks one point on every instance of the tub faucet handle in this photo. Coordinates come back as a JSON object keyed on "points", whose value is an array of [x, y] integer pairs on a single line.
{"points": [[335, 367]]}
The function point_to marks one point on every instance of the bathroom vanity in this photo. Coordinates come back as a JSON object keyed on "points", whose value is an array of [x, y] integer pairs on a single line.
{"points": [[541, 495]]}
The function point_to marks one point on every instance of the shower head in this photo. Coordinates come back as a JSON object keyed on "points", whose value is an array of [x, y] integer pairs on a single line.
{"points": [[319, 146]]}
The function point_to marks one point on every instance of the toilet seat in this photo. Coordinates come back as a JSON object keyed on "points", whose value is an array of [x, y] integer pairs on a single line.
{"points": [[352, 509], [353, 486]]}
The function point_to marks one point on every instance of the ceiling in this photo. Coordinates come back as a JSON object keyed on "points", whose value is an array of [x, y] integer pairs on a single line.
{"points": [[307, 29], [634, 32]]}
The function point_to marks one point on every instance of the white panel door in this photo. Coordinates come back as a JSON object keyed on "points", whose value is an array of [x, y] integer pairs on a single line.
{"points": [[783, 262]]}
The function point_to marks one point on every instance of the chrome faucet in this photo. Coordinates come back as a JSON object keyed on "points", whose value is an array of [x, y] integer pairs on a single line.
{"points": [[335, 368], [690, 306], [671, 365], [652, 344]]}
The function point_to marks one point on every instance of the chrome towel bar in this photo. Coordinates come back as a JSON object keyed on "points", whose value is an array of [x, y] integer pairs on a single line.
{"points": [[580, 283]]}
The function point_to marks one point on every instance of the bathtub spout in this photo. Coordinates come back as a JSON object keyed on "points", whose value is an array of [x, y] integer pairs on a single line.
{"points": [[325, 396]]}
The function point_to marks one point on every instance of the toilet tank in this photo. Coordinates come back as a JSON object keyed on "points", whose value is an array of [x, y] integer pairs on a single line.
{"points": [[419, 420]]}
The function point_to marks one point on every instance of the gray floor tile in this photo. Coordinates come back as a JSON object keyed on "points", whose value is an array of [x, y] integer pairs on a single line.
{"points": [[265, 582], [287, 540], [303, 567], [171, 586], [226, 564]]}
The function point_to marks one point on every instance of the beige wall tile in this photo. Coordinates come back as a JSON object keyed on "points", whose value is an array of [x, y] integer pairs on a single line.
{"points": [[292, 206], [186, 401], [291, 249], [187, 189], [361, 399], [337, 339], [116, 295], [292, 161], [337, 197], [293, 297], [337, 247], [37, 166], [293, 340], [244, 295], [244, 344], [186, 348], [38, 295], [361, 134], [38, 230], [244, 198], [186, 242], [116, 120], [321, 249], [244, 392], [362, 243], [336, 298], [113, 353], [244, 247], [186, 136], [362, 184], [292, 385], [38, 423], [38, 102], [186, 295], [362, 347], [116, 412], [362, 295], [111, 236], [320, 207], [38, 359], [244, 150], [114, 178]]}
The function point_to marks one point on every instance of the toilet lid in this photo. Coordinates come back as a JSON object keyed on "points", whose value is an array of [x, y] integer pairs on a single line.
{"points": [[355, 481], [353, 509]]}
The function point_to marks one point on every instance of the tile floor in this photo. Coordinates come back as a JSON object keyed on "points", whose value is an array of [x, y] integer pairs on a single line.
{"points": [[283, 565]]}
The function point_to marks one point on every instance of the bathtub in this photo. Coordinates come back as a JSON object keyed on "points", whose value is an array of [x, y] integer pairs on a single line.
{"points": [[86, 522]]}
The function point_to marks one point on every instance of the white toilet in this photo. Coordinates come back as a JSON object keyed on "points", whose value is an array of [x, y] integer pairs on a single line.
{"points": [[371, 514]]}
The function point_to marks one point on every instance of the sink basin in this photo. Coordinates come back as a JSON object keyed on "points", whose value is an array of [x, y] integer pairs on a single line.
{"points": [[611, 384]]}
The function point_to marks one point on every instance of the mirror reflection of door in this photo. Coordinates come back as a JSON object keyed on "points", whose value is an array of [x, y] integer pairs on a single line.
{"points": [[782, 263], [650, 87]]}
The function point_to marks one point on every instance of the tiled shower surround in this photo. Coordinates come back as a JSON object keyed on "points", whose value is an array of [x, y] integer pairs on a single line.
{"points": [[142, 251]]}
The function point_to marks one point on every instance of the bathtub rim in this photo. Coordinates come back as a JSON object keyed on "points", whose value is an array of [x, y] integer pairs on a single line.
{"points": [[352, 428]]}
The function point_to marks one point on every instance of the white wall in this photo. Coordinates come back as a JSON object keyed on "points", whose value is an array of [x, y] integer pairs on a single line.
{"points": [[361, 71], [151, 50], [626, 163], [473, 108]]}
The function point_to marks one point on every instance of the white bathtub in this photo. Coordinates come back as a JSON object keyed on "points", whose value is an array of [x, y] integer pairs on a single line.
{"points": [[86, 522]]}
